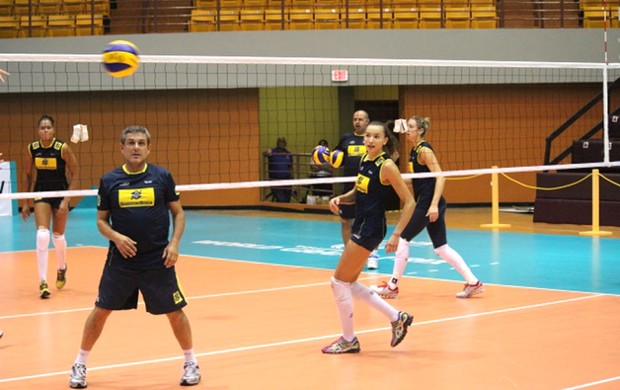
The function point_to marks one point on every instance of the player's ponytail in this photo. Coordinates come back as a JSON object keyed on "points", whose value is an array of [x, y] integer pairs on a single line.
{"points": [[392, 145]]}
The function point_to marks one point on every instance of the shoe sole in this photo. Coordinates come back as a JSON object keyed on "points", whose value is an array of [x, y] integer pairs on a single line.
{"points": [[78, 386], [355, 350], [475, 292], [406, 326], [186, 383], [384, 295], [45, 294]]}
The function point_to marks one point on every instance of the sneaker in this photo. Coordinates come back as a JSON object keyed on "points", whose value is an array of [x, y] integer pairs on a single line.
{"points": [[191, 374], [61, 278], [1, 334], [77, 378], [342, 346], [399, 327], [385, 291], [44, 291], [471, 289], [373, 262]]}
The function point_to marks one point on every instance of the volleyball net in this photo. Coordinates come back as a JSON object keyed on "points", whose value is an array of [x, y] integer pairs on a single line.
{"points": [[212, 118]]}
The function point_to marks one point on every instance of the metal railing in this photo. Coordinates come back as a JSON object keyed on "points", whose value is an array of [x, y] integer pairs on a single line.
{"points": [[162, 16]]}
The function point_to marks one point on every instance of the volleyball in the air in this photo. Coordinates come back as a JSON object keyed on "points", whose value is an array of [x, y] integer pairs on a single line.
{"points": [[320, 155], [336, 158], [121, 58]]}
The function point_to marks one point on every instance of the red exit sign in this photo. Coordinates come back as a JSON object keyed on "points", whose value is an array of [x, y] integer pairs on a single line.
{"points": [[340, 75]]}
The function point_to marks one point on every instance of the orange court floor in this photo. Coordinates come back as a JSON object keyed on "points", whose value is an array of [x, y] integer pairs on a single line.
{"points": [[259, 325]]}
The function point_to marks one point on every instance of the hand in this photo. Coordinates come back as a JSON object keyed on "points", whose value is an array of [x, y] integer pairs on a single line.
{"points": [[392, 244], [25, 212], [125, 245], [63, 209], [171, 254], [433, 213], [3, 73], [334, 205]]}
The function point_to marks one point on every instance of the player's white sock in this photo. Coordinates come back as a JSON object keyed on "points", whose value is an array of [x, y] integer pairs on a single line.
{"points": [[82, 357], [400, 262], [190, 357], [60, 244], [344, 302], [365, 294], [43, 243], [454, 259]]}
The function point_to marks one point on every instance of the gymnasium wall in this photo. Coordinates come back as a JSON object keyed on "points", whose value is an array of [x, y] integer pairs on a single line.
{"points": [[210, 110]]}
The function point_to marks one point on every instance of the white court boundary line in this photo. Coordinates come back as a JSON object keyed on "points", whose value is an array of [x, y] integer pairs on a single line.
{"points": [[316, 338], [583, 386]]}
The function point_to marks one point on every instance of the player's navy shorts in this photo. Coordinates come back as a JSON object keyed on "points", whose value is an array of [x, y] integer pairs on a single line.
{"points": [[54, 202], [347, 211], [369, 232], [119, 287], [370, 243]]}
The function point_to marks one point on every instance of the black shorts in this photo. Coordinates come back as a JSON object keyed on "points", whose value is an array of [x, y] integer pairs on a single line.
{"points": [[370, 243], [347, 211], [54, 202], [119, 287]]}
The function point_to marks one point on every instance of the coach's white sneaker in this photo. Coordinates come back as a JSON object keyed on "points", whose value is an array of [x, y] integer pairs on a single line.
{"points": [[77, 378], [191, 374]]}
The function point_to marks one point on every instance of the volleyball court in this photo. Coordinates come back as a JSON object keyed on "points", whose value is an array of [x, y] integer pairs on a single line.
{"points": [[260, 302]]}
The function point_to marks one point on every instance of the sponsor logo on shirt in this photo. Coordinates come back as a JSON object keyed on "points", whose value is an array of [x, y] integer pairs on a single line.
{"points": [[136, 197]]}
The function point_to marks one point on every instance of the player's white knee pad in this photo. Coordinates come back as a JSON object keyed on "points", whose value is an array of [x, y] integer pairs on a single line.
{"points": [[442, 251], [59, 240], [43, 239], [402, 251], [342, 290], [358, 290]]}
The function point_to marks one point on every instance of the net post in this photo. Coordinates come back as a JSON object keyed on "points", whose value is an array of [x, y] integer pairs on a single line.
{"points": [[495, 203], [595, 208]]}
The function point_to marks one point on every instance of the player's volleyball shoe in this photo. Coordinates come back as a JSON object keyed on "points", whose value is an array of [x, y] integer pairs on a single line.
{"points": [[384, 291], [61, 278], [470, 290], [77, 378], [399, 327], [342, 346], [44, 291], [373, 262], [191, 374]]}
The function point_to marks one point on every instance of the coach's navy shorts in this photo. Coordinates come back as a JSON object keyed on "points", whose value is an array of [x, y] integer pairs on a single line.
{"points": [[119, 286]]}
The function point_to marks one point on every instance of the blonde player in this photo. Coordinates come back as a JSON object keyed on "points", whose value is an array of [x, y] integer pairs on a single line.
{"points": [[429, 214]]}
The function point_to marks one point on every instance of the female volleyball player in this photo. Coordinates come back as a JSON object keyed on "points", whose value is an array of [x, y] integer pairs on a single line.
{"points": [[50, 165], [429, 213], [376, 173]]}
